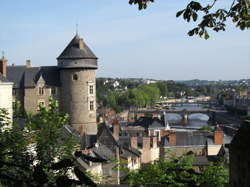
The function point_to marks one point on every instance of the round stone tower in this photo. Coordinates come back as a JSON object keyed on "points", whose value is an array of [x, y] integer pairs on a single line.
{"points": [[77, 65]]}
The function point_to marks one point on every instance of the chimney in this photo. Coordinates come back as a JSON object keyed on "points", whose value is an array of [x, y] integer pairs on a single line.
{"points": [[172, 138], [81, 45], [155, 140], [218, 136], [116, 129], [3, 66], [145, 142], [28, 63], [134, 142]]}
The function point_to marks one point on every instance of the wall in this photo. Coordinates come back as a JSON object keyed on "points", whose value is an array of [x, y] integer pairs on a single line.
{"points": [[149, 155], [181, 150], [6, 97], [32, 98], [213, 149]]}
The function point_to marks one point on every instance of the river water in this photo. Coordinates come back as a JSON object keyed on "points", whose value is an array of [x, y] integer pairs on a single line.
{"points": [[196, 120]]}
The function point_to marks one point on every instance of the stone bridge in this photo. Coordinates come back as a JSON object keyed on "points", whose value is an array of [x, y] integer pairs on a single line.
{"points": [[183, 113]]}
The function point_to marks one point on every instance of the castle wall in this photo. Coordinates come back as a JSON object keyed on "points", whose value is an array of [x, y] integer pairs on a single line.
{"points": [[76, 98], [32, 98]]}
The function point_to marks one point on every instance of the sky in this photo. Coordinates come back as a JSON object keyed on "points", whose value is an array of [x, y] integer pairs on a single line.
{"points": [[129, 43]]}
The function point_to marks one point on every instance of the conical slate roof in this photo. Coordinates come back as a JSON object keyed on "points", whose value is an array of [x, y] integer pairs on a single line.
{"points": [[75, 51]]}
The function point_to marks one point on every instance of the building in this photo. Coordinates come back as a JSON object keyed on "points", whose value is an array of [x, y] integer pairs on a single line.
{"points": [[116, 155], [71, 82], [200, 143], [5, 89], [239, 160]]}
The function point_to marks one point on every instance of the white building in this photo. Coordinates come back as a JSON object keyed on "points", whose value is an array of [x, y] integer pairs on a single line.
{"points": [[6, 95]]}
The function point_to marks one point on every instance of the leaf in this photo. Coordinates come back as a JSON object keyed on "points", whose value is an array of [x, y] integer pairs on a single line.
{"points": [[195, 16], [206, 35], [191, 33], [180, 13]]}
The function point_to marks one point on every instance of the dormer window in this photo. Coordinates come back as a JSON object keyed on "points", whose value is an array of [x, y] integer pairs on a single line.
{"points": [[75, 77], [53, 91], [41, 91]]}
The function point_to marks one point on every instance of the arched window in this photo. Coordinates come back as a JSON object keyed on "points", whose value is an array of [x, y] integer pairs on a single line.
{"points": [[75, 77]]}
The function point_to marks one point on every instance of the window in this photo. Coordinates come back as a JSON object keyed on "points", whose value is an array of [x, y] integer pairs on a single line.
{"points": [[41, 91], [41, 103], [75, 77], [53, 91], [91, 105], [14, 92], [91, 89]]}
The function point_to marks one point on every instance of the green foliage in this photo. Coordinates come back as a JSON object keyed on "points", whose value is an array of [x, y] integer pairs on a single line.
{"points": [[211, 17], [146, 95], [178, 172], [40, 154], [214, 175], [207, 128]]}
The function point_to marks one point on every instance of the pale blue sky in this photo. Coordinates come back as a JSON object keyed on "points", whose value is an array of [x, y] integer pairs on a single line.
{"points": [[129, 43]]}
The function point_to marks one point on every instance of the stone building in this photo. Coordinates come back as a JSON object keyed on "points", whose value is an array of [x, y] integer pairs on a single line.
{"points": [[5, 89], [71, 82], [239, 159], [200, 143]]}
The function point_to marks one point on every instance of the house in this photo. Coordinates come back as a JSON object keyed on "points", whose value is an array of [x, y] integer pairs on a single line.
{"points": [[201, 143], [5, 89]]}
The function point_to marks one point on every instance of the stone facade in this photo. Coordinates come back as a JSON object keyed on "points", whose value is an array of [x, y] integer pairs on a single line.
{"points": [[77, 96]]}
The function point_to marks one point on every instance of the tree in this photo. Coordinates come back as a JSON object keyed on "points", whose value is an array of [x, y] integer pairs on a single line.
{"points": [[179, 172], [212, 18], [40, 154]]}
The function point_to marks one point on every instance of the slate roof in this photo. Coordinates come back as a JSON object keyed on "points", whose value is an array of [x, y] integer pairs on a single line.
{"points": [[73, 51], [157, 123], [187, 138], [106, 141], [26, 77], [147, 122], [204, 160]]}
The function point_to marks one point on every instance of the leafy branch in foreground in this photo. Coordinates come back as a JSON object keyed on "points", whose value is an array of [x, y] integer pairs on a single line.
{"points": [[40, 154], [179, 172], [212, 18]]}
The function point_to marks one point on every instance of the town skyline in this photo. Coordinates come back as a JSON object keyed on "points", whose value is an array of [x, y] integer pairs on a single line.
{"points": [[121, 36]]}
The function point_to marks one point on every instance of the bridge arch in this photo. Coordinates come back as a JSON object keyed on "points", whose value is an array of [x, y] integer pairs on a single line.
{"points": [[200, 116]]}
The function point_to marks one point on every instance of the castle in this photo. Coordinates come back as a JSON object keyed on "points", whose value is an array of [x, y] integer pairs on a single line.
{"points": [[71, 82]]}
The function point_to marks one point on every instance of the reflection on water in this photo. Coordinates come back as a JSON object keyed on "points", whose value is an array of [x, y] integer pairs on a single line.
{"points": [[195, 120]]}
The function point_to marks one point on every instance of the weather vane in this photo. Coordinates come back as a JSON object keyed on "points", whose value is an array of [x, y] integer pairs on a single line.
{"points": [[76, 28], [2, 54]]}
